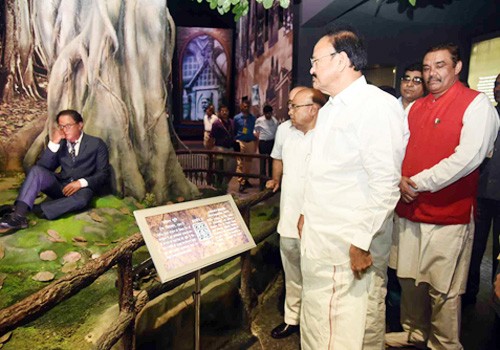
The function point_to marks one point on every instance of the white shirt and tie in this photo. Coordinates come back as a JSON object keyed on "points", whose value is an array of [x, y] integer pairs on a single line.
{"points": [[54, 147]]}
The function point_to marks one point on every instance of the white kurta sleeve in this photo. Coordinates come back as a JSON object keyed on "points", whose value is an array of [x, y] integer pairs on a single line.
{"points": [[382, 145], [277, 152], [480, 128]]}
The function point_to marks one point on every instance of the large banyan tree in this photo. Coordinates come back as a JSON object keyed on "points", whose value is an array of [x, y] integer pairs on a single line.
{"points": [[111, 60]]}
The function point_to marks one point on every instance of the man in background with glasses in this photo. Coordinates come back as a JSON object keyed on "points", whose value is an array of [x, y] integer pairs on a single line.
{"points": [[291, 152], [350, 193], [83, 160], [412, 85]]}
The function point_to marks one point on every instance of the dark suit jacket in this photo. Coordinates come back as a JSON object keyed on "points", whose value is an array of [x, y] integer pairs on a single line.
{"points": [[92, 162], [489, 178]]}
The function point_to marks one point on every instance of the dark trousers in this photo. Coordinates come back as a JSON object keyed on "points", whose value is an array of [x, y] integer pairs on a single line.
{"points": [[39, 180], [266, 147], [488, 213]]}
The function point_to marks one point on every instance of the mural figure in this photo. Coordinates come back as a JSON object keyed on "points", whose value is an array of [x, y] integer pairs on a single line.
{"points": [[204, 72]]}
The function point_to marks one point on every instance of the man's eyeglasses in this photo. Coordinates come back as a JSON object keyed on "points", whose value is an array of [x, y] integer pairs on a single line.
{"points": [[66, 127], [294, 106], [415, 80], [314, 60]]}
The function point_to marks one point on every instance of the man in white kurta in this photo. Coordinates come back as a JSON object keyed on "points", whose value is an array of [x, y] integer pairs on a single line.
{"points": [[208, 119], [294, 154], [281, 134], [351, 190], [452, 130]]}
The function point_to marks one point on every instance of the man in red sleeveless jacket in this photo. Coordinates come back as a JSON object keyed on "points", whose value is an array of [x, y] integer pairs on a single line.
{"points": [[451, 132]]}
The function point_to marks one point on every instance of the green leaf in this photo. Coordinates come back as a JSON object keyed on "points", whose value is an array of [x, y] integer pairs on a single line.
{"points": [[284, 3], [267, 4], [412, 2]]}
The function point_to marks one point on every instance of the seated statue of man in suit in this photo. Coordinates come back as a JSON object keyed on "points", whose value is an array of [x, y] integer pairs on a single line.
{"points": [[83, 160]]}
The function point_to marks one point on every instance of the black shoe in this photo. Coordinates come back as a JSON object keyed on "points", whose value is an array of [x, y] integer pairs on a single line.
{"points": [[37, 210], [284, 330], [13, 221], [242, 188], [6, 209]]}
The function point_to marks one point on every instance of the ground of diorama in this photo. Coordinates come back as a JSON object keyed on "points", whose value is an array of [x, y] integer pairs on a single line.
{"points": [[61, 246]]}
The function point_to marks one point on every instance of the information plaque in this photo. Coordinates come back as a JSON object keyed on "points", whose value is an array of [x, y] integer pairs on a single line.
{"points": [[186, 237]]}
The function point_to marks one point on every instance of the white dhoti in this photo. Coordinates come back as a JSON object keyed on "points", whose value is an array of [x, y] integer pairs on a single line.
{"points": [[432, 265], [339, 311]]}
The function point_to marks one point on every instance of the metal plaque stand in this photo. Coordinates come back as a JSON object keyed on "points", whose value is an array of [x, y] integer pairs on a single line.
{"points": [[197, 306]]}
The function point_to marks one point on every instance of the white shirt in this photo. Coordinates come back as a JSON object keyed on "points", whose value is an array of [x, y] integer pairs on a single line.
{"points": [[354, 172], [479, 131], [407, 109], [295, 156], [266, 128], [284, 129], [207, 122], [54, 147]]}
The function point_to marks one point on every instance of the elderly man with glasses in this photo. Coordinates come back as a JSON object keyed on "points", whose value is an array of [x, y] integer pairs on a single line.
{"points": [[412, 85], [83, 160], [292, 150], [351, 189]]}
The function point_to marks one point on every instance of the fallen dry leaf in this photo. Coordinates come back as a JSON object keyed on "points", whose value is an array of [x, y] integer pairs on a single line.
{"points": [[71, 257], [48, 255], [95, 256], [5, 338], [69, 267], [56, 237], [96, 217], [79, 239], [53, 233], [125, 211], [55, 240], [80, 244], [43, 276]]}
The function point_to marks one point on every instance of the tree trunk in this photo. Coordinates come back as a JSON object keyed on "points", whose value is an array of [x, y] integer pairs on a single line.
{"points": [[16, 64], [111, 60]]}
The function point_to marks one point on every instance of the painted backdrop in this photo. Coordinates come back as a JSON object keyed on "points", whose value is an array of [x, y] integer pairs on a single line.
{"points": [[204, 56], [264, 52]]}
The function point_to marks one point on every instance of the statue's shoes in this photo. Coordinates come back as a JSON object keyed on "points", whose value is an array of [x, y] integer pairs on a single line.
{"points": [[13, 221]]}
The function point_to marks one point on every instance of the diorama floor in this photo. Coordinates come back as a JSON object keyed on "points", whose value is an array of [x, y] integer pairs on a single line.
{"points": [[477, 331], [103, 227]]}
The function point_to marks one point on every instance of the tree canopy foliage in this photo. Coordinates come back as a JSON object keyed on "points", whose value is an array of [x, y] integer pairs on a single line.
{"points": [[240, 7]]}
